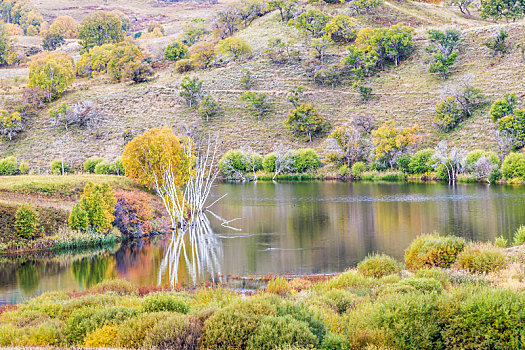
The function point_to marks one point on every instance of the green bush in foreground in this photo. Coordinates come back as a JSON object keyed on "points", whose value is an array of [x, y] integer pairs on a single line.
{"points": [[174, 332], [275, 332], [433, 250], [519, 236], [164, 302], [514, 166], [8, 166], [481, 258], [378, 265]]}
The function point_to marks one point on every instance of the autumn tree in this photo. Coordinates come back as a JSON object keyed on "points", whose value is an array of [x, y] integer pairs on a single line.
{"points": [[149, 154], [391, 142], [351, 142], [305, 120], [312, 22], [236, 48], [64, 26], [286, 8], [390, 44], [342, 29], [203, 54], [100, 28], [95, 209], [51, 72], [10, 124], [5, 45]]}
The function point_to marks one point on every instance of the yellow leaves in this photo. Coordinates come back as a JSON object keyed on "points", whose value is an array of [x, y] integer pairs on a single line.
{"points": [[388, 138], [148, 155], [52, 72]]}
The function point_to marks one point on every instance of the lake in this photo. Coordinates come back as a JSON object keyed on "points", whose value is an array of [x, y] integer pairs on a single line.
{"points": [[295, 228]]}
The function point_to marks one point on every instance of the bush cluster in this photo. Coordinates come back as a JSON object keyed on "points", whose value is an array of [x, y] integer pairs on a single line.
{"points": [[433, 250]]}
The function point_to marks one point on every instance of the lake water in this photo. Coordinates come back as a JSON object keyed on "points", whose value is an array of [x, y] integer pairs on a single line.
{"points": [[296, 228]]}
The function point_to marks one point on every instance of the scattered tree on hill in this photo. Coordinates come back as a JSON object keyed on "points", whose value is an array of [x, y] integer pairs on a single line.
{"points": [[319, 46], [305, 120], [497, 44], [203, 54], [448, 114], [359, 63], [5, 45], [126, 23], [82, 114], [236, 48], [247, 79], [295, 95], [51, 72], [365, 122], [176, 51], [463, 5], [192, 32], [342, 29], [364, 6], [208, 107], [393, 43], [191, 90], [510, 119], [351, 143], [286, 8], [453, 160], [100, 28], [443, 50], [65, 26], [10, 124], [226, 21], [281, 51], [498, 9], [52, 41], [250, 10], [364, 91], [330, 76], [313, 22], [258, 103], [150, 154], [458, 107], [392, 142]]}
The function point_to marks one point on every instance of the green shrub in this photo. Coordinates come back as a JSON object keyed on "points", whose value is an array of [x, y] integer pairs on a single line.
{"points": [[132, 332], [269, 162], [91, 163], [433, 250], [184, 66], [279, 286], [275, 332], [9, 335], [514, 166], [301, 312], [78, 219], [26, 221], [176, 51], [481, 258], [233, 158], [103, 168], [501, 242], [85, 320], [484, 318], [47, 333], [357, 169], [474, 155], [8, 166], [421, 161], [23, 168], [378, 265], [164, 302], [423, 284], [349, 279], [436, 274], [396, 288], [97, 204], [334, 341], [174, 332], [116, 167], [339, 299], [60, 167], [344, 170], [306, 159], [519, 236]]}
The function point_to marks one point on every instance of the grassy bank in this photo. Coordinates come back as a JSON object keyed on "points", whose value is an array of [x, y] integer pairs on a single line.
{"points": [[449, 294]]}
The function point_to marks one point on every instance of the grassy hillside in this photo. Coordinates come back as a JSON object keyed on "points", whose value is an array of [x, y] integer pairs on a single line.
{"points": [[407, 93]]}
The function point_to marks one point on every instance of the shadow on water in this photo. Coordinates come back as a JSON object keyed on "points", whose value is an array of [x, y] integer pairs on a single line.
{"points": [[284, 228]]}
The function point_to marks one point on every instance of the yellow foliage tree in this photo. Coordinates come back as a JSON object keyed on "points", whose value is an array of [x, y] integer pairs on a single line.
{"points": [[391, 141], [148, 155], [51, 72], [65, 26]]}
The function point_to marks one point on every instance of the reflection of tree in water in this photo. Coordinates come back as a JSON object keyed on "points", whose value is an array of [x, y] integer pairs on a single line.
{"points": [[92, 270], [130, 253], [28, 278], [195, 248]]}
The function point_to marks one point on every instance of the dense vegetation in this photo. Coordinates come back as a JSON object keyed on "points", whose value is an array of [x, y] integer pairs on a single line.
{"points": [[439, 303]]}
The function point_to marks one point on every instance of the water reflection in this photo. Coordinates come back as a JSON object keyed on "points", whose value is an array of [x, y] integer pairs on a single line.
{"points": [[285, 228], [195, 248]]}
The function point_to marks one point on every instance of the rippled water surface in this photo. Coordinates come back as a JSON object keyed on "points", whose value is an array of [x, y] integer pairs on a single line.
{"points": [[282, 228]]}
